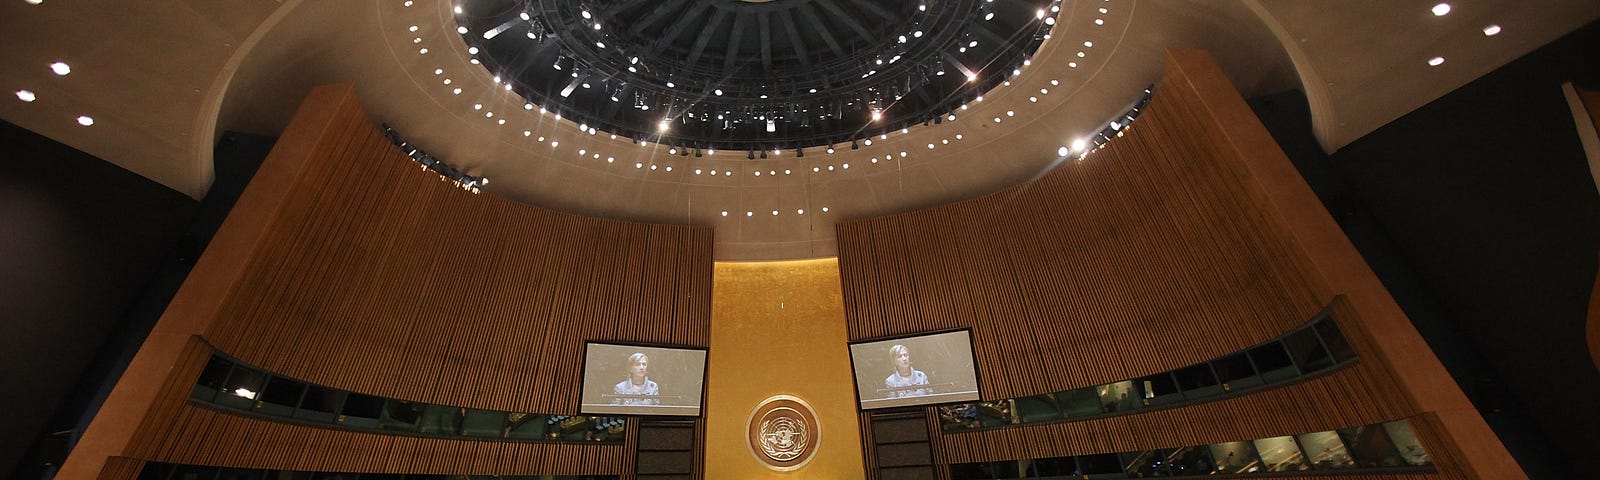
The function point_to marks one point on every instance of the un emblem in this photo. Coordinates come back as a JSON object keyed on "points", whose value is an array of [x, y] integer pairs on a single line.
{"points": [[783, 432]]}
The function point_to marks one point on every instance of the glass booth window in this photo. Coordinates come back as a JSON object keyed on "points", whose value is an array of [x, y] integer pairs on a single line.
{"points": [[361, 410], [1235, 458], [1308, 353], [1326, 451], [1405, 440], [1235, 372], [211, 379], [1159, 389], [483, 423], [441, 419], [1037, 408], [1083, 402], [280, 396], [1197, 381], [1273, 362], [1334, 340], [242, 388], [320, 404], [1281, 454], [1118, 397], [1370, 446]]}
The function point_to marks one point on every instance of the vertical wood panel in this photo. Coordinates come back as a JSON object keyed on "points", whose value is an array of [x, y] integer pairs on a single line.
{"points": [[1156, 252], [381, 279], [1150, 254], [377, 277]]}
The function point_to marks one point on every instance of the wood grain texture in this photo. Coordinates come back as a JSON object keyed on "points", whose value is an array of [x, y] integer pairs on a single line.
{"points": [[376, 277], [1146, 256], [1159, 251], [121, 468], [1361, 394], [203, 436], [380, 278]]}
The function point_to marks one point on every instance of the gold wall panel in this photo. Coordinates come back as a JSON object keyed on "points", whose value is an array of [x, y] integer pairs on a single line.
{"points": [[778, 328]]}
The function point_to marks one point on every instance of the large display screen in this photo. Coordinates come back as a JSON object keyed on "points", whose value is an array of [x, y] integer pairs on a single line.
{"points": [[918, 370], [642, 380]]}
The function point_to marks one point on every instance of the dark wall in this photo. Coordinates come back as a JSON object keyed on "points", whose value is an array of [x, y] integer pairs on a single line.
{"points": [[1479, 214], [80, 240]]}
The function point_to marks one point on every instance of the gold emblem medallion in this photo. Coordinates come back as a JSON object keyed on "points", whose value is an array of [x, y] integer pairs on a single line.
{"points": [[783, 432]]}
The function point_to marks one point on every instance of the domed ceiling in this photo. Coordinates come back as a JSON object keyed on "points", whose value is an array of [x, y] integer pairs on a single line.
{"points": [[752, 75], [166, 78]]}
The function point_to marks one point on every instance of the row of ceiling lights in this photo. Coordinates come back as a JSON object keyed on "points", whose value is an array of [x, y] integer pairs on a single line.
{"points": [[1078, 146], [1442, 9], [684, 151], [61, 69]]}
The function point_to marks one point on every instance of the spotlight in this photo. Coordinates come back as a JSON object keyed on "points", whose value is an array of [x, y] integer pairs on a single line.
{"points": [[855, 144]]}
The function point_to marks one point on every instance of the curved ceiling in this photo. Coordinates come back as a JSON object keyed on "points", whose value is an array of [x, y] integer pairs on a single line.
{"points": [[164, 77], [755, 76]]}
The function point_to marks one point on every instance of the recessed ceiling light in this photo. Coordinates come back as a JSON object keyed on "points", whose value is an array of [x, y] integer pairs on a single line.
{"points": [[1062, 152], [1435, 61], [1441, 9], [60, 68], [1491, 30], [85, 120], [26, 95]]}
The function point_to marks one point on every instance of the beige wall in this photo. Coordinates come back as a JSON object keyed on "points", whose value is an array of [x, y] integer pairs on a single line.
{"points": [[778, 328]]}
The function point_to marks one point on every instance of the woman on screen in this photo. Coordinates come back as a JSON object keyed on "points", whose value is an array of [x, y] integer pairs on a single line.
{"points": [[904, 376], [638, 383]]}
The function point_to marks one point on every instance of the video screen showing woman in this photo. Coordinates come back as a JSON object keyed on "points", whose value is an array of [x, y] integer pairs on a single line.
{"points": [[641, 380], [921, 370]]}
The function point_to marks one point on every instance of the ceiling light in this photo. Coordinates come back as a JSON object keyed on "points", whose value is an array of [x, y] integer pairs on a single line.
{"points": [[26, 95], [1077, 145], [85, 120], [1062, 152], [1435, 61], [1491, 30], [60, 68], [1441, 9]]}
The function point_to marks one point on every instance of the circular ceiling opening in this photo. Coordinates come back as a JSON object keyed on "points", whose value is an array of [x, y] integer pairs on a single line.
{"points": [[749, 74]]}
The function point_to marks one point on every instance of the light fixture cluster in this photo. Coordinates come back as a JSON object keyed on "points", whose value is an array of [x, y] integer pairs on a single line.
{"points": [[1113, 129], [61, 69], [1442, 9], [446, 172], [607, 67]]}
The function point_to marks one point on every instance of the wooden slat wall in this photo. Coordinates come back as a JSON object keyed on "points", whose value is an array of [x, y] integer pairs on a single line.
{"points": [[1152, 254], [1361, 394], [379, 278], [121, 468], [1146, 256], [202, 436]]}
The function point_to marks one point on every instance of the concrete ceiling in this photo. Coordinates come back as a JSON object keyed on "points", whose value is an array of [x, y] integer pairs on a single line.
{"points": [[163, 79]]}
